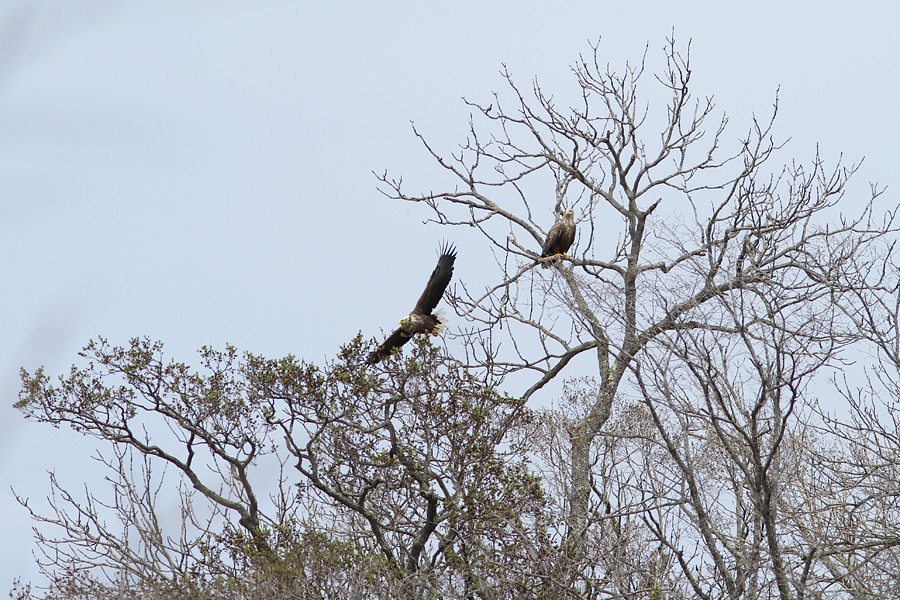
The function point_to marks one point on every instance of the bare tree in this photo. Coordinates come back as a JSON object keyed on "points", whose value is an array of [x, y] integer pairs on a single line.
{"points": [[698, 224], [852, 513]]}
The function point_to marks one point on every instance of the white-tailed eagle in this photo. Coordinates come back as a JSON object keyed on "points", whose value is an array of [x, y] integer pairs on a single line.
{"points": [[559, 238], [421, 319]]}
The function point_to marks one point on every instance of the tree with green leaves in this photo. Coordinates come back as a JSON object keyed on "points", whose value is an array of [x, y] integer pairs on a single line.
{"points": [[389, 480]]}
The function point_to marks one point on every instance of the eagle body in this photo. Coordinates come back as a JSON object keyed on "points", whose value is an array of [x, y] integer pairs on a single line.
{"points": [[422, 318], [559, 238], [415, 323]]}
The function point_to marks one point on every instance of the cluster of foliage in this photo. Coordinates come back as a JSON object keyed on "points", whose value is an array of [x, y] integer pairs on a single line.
{"points": [[410, 476], [693, 460]]}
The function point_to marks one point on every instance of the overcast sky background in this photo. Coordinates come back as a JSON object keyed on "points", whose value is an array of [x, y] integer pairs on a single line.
{"points": [[201, 172]]}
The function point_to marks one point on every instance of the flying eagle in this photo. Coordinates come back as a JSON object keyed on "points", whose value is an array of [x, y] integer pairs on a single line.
{"points": [[559, 238], [421, 319]]}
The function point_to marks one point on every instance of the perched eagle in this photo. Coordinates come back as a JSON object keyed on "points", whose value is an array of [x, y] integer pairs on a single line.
{"points": [[559, 238], [421, 319]]}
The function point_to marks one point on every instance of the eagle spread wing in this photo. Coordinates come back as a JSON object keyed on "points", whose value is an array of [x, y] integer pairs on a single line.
{"points": [[421, 319], [438, 281], [395, 340]]}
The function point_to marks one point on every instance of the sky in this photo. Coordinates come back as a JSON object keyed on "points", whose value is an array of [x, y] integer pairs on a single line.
{"points": [[202, 173]]}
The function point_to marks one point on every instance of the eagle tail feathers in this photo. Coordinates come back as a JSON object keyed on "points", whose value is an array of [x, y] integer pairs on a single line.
{"points": [[440, 316]]}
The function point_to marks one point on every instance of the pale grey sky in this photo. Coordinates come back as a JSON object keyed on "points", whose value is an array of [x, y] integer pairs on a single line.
{"points": [[203, 174]]}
